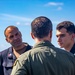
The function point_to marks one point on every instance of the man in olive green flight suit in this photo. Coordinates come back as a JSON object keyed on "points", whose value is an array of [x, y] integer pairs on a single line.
{"points": [[44, 58]]}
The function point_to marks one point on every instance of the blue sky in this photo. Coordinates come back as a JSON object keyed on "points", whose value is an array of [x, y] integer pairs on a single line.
{"points": [[21, 12]]}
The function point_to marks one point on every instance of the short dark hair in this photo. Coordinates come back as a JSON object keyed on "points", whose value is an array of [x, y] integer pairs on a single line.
{"points": [[11, 26], [68, 25], [41, 26], [74, 29]]}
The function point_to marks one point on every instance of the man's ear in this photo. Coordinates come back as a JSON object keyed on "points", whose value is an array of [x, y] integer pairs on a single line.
{"points": [[20, 33], [7, 40], [73, 36], [32, 35], [50, 34]]}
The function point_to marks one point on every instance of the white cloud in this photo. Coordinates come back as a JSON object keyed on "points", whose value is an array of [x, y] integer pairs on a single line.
{"points": [[18, 20], [17, 23], [22, 23], [54, 4], [59, 8], [13, 17], [58, 5], [27, 23]]}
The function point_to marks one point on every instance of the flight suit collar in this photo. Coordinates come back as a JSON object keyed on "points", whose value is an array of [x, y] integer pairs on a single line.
{"points": [[73, 49], [43, 43]]}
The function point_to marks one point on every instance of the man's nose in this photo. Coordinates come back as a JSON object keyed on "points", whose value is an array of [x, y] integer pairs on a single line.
{"points": [[15, 37], [59, 39]]}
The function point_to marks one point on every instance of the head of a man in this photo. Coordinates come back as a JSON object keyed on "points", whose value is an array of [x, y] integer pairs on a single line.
{"points": [[41, 27], [13, 36], [65, 34]]}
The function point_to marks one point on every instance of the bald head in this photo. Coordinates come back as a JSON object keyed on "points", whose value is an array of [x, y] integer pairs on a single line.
{"points": [[9, 28]]}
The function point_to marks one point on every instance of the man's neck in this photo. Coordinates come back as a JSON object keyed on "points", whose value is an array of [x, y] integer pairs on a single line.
{"points": [[37, 40], [19, 50], [69, 47]]}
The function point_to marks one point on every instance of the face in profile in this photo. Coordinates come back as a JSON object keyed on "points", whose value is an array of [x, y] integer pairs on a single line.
{"points": [[14, 37], [63, 38]]}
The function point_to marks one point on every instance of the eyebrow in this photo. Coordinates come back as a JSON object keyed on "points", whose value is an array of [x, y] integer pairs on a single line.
{"points": [[60, 35]]}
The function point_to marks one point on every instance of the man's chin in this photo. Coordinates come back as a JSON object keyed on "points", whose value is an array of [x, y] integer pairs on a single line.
{"points": [[61, 46], [16, 46]]}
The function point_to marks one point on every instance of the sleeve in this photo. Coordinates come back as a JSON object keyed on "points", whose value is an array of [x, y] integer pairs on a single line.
{"points": [[19, 68], [0, 59], [1, 67]]}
